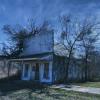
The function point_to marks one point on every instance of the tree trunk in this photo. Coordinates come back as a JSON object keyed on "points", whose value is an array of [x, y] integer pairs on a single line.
{"points": [[67, 67], [8, 73], [86, 68]]}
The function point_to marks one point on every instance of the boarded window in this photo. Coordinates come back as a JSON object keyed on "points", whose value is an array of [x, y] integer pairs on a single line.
{"points": [[46, 71]]}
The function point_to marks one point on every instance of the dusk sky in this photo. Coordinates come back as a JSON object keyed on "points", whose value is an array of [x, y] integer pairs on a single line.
{"points": [[14, 12]]}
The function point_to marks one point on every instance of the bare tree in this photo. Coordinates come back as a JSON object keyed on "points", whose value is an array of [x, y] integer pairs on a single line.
{"points": [[70, 35], [89, 40], [17, 36], [73, 32], [16, 43]]}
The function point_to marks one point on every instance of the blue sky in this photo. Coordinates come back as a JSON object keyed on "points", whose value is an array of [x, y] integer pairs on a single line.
{"points": [[14, 12]]}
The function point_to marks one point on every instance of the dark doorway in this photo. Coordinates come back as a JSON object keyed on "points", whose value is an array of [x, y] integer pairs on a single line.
{"points": [[26, 70], [37, 72]]}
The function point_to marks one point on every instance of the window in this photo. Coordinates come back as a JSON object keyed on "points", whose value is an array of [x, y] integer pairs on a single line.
{"points": [[46, 70]]}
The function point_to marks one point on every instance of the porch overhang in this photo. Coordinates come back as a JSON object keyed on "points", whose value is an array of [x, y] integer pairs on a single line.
{"points": [[34, 58]]}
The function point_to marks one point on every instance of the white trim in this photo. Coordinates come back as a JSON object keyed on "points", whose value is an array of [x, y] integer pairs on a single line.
{"points": [[32, 58], [23, 59]]}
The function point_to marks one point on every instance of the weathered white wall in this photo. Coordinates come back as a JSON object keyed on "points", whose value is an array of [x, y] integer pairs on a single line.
{"points": [[41, 43]]}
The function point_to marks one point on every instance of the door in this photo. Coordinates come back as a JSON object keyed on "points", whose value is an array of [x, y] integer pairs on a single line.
{"points": [[46, 72], [26, 72], [37, 72], [33, 71]]}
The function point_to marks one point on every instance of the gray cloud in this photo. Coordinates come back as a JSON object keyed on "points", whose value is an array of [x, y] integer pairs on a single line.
{"points": [[18, 11]]}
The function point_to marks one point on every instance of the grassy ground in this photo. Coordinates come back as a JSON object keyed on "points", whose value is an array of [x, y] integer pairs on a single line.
{"points": [[90, 84], [22, 90]]}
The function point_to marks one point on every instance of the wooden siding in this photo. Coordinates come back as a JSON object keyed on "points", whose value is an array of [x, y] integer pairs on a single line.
{"points": [[75, 72], [58, 69]]}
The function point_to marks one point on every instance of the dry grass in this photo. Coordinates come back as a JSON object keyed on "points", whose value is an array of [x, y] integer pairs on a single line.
{"points": [[89, 84], [22, 90]]}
